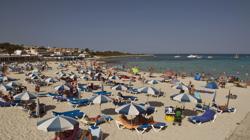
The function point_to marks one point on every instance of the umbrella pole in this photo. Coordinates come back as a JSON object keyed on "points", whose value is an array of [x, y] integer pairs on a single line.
{"points": [[228, 98]]}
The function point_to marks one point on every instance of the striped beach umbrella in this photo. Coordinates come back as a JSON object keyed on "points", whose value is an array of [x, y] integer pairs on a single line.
{"points": [[184, 97], [62, 87], [152, 82], [120, 87], [114, 78], [13, 84], [180, 86], [131, 109], [100, 99], [5, 87], [149, 90], [25, 96], [57, 124], [50, 80]]}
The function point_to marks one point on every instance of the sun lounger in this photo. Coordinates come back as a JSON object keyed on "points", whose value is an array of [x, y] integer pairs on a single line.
{"points": [[96, 132], [76, 114], [158, 126], [142, 128], [201, 108], [7, 104], [224, 109], [208, 115], [79, 102], [103, 93]]}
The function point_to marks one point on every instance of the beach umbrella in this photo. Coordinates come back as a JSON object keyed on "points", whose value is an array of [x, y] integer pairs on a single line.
{"points": [[185, 98], [119, 87], [149, 90], [100, 99], [135, 70], [50, 80], [4, 78], [73, 76], [13, 84], [62, 87], [25, 96], [32, 75], [153, 82], [5, 87], [180, 86], [131, 109], [35, 77], [114, 78], [57, 124]]}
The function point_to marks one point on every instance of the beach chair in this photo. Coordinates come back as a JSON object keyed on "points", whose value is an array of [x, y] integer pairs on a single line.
{"points": [[158, 126], [201, 107], [208, 115], [7, 104], [103, 93], [224, 109], [76, 114], [143, 128], [78, 102], [96, 132]]}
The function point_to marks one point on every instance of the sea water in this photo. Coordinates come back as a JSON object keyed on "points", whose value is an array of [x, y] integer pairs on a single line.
{"points": [[212, 64]]}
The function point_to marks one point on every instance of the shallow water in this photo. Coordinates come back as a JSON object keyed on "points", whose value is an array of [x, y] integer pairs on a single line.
{"points": [[218, 64]]}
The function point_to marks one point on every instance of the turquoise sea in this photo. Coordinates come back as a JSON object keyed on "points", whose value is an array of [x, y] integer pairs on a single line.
{"points": [[213, 64]]}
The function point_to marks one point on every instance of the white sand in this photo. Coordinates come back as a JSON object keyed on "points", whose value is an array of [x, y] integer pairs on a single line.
{"points": [[16, 125]]}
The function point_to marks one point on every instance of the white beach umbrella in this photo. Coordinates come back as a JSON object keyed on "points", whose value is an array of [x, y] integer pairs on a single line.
{"points": [[62, 87], [57, 124], [131, 109], [119, 87], [25, 96]]}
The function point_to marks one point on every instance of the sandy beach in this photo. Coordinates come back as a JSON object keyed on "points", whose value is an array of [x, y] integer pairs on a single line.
{"points": [[15, 123]]}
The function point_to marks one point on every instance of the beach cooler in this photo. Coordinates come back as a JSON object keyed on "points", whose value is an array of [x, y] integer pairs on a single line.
{"points": [[169, 114]]}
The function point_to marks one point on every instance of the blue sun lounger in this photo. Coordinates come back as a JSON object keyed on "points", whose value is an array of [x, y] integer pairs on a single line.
{"points": [[103, 93], [78, 102], [208, 115], [76, 114], [7, 104]]}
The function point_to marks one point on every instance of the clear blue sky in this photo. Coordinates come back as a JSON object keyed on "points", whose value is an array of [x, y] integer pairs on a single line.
{"points": [[151, 26]]}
